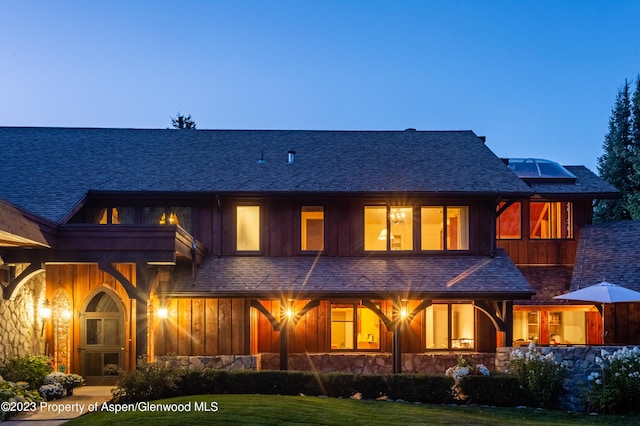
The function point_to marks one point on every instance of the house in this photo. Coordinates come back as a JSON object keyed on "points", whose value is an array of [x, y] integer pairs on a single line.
{"points": [[294, 249]]}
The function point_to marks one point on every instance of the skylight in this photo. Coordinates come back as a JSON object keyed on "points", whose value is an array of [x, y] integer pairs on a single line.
{"points": [[536, 168]]}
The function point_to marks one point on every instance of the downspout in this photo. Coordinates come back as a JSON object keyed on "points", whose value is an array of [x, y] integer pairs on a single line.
{"points": [[219, 251]]}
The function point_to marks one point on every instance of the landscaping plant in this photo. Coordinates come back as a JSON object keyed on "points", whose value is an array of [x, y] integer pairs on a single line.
{"points": [[615, 387], [540, 375]]}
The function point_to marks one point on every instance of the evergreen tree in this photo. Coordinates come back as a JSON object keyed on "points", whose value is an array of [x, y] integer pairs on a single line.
{"points": [[182, 122], [616, 164], [634, 199]]}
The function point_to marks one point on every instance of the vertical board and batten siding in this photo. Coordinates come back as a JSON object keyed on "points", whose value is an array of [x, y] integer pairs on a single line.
{"points": [[203, 327]]}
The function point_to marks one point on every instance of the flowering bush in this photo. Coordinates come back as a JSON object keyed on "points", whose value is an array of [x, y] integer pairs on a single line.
{"points": [[53, 378], [539, 374], [462, 369], [616, 387], [52, 391], [15, 392], [70, 381]]}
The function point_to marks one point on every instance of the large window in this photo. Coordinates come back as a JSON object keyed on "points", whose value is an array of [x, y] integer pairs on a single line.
{"points": [[509, 223], [248, 228], [312, 229], [450, 326], [553, 327], [388, 228], [444, 228], [550, 220], [354, 327]]}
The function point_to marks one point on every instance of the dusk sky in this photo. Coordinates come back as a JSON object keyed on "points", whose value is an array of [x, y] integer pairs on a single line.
{"points": [[537, 78]]}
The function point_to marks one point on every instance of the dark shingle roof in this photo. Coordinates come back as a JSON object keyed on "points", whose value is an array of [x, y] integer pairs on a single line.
{"points": [[587, 184], [49, 170], [273, 277], [610, 252]]}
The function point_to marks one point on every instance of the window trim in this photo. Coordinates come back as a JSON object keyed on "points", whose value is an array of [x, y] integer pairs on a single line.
{"points": [[355, 306], [570, 218], [388, 207], [445, 248], [450, 339], [324, 229]]}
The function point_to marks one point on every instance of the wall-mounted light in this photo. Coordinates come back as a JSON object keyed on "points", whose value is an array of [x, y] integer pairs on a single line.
{"points": [[163, 313], [45, 310], [66, 315], [45, 313], [403, 313]]}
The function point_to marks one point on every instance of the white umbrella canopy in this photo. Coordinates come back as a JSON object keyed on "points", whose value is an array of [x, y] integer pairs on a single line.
{"points": [[604, 292]]}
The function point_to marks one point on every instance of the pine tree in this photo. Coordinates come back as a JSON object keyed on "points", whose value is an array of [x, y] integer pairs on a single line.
{"points": [[634, 198], [616, 164], [182, 122]]}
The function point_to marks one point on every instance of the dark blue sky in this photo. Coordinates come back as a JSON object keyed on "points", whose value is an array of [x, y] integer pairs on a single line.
{"points": [[538, 78]]}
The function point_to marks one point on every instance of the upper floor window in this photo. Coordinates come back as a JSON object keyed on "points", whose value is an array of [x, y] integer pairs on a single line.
{"points": [[388, 228], [550, 219], [444, 228], [116, 215], [248, 228], [312, 229], [164, 215], [509, 223]]}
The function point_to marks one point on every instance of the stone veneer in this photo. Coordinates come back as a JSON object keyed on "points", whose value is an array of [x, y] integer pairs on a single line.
{"points": [[580, 362], [19, 323], [425, 363]]}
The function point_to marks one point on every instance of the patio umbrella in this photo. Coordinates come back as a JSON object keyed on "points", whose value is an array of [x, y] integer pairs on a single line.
{"points": [[604, 292]]}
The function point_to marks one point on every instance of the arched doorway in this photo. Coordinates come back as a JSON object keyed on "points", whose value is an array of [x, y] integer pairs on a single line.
{"points": [[102, 349]]}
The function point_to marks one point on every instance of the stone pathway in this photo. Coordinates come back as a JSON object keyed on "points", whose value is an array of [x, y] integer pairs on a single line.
{"points": [[57, 412]]}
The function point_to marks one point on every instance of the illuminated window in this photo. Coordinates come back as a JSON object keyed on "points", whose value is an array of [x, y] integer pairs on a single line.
{"points": [[568, 327], [551, 220], [508, 224], [388, 228], [450, 326], [248, 228], [354, 326], [526, 327], [435, 236], [176, 216], [116, 215], [312, 229]]}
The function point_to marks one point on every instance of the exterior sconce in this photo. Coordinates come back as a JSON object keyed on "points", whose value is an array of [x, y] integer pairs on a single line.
{"points": [[403, 313], [45, 310], [66, 315], [45, 314], [163, 313], [289, 312]]}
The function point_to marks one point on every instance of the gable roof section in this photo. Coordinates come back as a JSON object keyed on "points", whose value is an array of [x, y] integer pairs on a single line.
{"points": [[49, 171], [467, 277], [587, 185], [19, 229], [608, 252]]}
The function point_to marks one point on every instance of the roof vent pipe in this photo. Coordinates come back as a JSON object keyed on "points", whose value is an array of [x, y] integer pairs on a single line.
{"points": [[290, 156]]}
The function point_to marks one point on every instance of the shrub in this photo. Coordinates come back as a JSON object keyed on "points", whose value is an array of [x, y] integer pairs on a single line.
{"points": [[616, 387], [30, 368], [499, 389], [463, 369], [148, 382], [539, 374], [51, 391], [15, 392]]}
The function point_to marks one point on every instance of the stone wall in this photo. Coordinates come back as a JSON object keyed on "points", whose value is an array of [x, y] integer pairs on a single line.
{"points": [[20, 325], [434, 364], [579, 361], [220, 362]]}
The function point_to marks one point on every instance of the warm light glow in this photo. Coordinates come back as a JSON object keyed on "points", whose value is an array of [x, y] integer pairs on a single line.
{"points": [[403, 313], [163, 313], [289, 313], [66, 315], [45, 310]]}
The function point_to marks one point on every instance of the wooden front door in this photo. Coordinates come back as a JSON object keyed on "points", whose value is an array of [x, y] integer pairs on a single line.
{"points": [[102, 340]]}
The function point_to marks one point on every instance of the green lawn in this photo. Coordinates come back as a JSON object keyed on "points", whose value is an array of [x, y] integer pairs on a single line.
{"points": [[309, 410]]}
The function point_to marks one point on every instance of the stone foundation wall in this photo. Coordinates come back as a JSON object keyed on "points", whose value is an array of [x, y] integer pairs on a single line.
{"points": [[580, 362], [220, 362], [20, 325]]}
